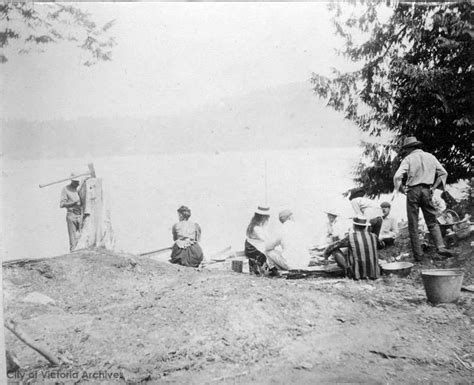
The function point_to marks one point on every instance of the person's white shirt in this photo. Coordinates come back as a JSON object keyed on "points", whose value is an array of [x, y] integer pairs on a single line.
{"points": [[260, 238], [337, 229], [293, 244], [389, 227], [366, 208]]}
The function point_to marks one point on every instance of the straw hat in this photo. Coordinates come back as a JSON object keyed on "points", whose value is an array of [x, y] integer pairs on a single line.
{"points": [[263, 210], [360, 221]]}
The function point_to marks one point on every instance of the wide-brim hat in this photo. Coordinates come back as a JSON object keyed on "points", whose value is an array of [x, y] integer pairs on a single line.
{"points": [[332, 212], [263, 210], [410, 141], [360, 221]]}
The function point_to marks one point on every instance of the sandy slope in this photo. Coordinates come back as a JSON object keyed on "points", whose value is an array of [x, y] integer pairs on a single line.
{"points": [[152, 321]]}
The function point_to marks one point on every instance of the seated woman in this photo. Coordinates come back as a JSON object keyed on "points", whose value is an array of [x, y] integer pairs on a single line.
{"points": [[256, 240], [362, 260], [186, 250]]}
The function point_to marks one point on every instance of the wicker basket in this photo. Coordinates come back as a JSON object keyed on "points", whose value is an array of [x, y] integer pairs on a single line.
{"points": [[450, 220]]}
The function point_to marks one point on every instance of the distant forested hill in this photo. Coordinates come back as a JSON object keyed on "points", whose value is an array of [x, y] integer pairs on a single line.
{"points": [[283, 117]]}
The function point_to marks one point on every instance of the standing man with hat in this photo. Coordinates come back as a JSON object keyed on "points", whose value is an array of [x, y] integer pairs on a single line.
{"points": [[361, 260], [424, 174], [71, 201]]}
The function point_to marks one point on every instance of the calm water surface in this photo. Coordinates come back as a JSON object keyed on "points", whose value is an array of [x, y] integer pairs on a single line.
{"points": [[144, 192]]}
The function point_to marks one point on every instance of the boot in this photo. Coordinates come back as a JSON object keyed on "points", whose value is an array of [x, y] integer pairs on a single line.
{"points": [[445, 252]]}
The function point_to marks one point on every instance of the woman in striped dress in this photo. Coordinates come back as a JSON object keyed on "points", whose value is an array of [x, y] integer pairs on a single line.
{"points": [[361, 260]]}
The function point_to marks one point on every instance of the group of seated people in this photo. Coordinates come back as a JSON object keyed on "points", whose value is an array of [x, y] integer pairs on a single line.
{"points": [[284, 251], [353, 247], [353, 250], [382, 223]]}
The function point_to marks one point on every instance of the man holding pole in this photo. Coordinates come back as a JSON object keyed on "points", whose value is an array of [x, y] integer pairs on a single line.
{"points": [[424, 174], [71, 201]]}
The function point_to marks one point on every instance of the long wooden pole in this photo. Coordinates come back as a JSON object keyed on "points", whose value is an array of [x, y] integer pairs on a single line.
{"points": [[64, 179], [155, 251], [27, 340], [91, 173], [266, 185]]}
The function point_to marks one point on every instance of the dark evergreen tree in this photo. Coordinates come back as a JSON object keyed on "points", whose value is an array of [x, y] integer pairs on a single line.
{"points": [[415, 79]]}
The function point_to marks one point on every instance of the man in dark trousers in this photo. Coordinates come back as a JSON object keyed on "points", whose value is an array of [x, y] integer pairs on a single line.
{"points": [[71, 201], [424, 174]]}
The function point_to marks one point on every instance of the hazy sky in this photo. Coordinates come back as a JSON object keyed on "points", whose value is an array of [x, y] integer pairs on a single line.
{"points": [[171, 58]]}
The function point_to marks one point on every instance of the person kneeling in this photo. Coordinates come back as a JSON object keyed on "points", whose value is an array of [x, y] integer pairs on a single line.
{"points": [[293, 255], [361, 260]]}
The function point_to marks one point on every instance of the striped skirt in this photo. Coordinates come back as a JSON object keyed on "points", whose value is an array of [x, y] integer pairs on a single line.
{"points": [[362, 259]]}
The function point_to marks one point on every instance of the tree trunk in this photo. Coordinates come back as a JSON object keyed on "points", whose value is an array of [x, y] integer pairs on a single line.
{"points": [[97, 228]]}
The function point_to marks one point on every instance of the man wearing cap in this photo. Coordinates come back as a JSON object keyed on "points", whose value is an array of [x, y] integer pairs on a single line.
{"points": [[424, 174], [71, 201], [361, 260], [385, 227], [294, 254]]}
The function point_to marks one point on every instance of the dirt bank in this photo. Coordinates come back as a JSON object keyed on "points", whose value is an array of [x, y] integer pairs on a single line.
{"points": [[149, 321]]}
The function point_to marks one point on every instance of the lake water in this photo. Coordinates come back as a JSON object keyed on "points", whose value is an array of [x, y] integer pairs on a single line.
{"points": [[222, 190]]}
